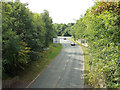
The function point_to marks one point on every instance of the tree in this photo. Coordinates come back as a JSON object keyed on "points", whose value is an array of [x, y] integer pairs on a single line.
{"points": [[100, 27], [50, 31], [24, 35], [15, 50]]}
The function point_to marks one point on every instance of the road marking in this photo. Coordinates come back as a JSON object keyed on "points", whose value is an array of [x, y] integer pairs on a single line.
{"points": [[33, 81]]}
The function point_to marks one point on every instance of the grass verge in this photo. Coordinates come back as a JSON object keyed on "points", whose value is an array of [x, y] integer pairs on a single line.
{"points": [[86, 62], [37, 66]]}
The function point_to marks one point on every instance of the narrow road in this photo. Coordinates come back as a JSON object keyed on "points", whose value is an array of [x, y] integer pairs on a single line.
{"points": [[66, 71]]}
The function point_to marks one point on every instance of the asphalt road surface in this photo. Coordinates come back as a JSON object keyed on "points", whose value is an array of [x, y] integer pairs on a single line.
{"points": [[66, 71]]}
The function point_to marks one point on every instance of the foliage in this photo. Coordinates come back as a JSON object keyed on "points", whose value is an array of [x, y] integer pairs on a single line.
{"points": [[100, 27], [25, 34], [50, 33], [63, 29], [77, 29]]}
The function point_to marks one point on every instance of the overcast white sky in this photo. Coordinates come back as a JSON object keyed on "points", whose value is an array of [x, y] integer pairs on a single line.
{"points": [[61, 11]]}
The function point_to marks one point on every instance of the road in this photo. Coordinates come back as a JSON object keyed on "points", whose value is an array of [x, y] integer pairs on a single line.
{"points": [[65, 71]]}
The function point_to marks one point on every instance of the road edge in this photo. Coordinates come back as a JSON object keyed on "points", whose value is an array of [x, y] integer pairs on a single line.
{"points": [[43, 70]]}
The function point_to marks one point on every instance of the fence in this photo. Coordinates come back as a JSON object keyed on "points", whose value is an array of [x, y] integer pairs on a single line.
{"points": [[9, 83]]}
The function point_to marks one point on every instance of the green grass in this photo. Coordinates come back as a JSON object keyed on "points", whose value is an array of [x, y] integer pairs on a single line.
{"points": [[86, 62], [38, 66]]}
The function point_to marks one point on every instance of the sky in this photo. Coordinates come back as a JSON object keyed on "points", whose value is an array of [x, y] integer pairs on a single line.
{"points": [[61, 11]]}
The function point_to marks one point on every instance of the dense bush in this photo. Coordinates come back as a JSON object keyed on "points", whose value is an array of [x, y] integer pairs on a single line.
{"points": [[100, 27], [24, 35]]}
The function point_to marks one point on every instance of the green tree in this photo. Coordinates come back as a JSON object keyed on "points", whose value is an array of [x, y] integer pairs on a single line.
{"points": [[13, 61], [100, 27], [24, 35], [50, 30]]}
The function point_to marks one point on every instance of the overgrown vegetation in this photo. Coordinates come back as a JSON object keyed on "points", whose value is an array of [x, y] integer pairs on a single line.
{"points": [[100, 28], [24, 35]]}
